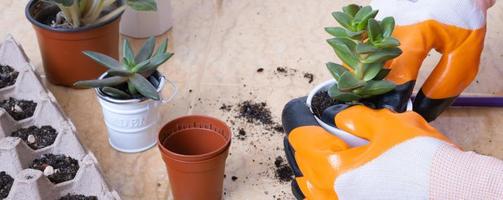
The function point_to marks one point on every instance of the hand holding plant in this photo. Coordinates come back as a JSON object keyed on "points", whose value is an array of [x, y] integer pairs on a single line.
{"points": [[136, 71], [364, 45]]}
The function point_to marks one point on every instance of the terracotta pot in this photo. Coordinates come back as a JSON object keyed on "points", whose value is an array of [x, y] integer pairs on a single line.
{"points": [[61, 49], [194, 149]]}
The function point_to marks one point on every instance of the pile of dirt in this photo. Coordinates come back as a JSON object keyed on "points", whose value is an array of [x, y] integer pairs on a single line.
{"points": [[18, 109], [309, 77], [36, 137], [77, 197], [256, 113], [283, 172], [241, 134], [58, 168], [8, 76], [6, 182]]}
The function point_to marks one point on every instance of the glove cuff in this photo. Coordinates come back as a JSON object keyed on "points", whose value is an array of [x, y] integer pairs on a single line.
{"points": [[465, 175]]}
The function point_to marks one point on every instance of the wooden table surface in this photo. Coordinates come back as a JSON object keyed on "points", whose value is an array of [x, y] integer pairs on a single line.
{"points": [[218, 46]]}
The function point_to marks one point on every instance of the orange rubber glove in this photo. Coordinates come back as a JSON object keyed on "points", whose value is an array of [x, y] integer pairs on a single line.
{"points": [[405, 158], [455, 28]]}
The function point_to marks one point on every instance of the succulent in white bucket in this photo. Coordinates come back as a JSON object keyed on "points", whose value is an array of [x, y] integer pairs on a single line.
{"points": [[129, 93]]}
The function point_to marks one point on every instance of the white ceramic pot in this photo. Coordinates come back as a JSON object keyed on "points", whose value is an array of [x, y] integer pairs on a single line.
{"points": [[349, 138], [142, 24], [133, 123]]}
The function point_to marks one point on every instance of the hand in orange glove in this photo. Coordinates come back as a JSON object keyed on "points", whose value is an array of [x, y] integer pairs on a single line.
{"points": [[405, 158], [455, 28]]}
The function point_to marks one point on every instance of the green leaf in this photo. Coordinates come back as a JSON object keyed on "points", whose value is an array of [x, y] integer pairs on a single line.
{"points": [[155, 62], [374, 31], [343, 33], [362, 16], [344, 48], [127, 52], [387, 43], [142, 5], [382, 74], [131, 88], [373, 88], [383, 55], [372, 70], [141, 65], [351, 9], [110, 81], [146, 50], [363, 48], [162, 48], [343, 19], [335, 93], [144, 87], [116, 93], [119, 72], [388, 24], [349, 82], [103, 59], [336, 70]]}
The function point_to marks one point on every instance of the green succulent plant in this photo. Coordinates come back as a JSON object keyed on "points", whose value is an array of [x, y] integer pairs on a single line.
{"points": [[363, 44], [77, 13], [135, 71]]}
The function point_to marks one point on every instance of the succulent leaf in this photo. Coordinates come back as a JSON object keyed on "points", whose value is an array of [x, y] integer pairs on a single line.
{"points": [[142, 5], [131, 88], [119, 72], [373, 88], [66, 3], [103, 59], [362, 16], [146, 50], [349, 82], [374, 31], [363, 48], [388, 24], [351, 9], [388, 43], [372, 70], [144, 87], [110, 81], [335, 93], [155, 62], [127, 53], [116, 93], [344, 49], [343, 19], [383, 55], [336, 70], [162, 48]]}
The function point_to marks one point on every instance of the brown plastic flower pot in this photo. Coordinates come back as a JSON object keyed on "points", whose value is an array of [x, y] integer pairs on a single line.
{"points": [[61, 49], [194, 149]]}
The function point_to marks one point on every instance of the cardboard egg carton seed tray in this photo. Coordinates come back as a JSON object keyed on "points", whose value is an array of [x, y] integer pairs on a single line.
{"points": [[15, 154]]}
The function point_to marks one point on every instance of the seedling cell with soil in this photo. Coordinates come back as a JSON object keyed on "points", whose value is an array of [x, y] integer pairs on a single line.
{"points": [[58, 168], [36, 137], [18, 109]]}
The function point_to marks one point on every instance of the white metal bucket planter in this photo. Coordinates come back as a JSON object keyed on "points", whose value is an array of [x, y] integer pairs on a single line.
{"points": [[142, 24], [132, 123]]}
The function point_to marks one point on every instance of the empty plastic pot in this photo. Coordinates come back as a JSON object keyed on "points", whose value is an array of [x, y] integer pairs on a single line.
{"points": [[194, 149]]}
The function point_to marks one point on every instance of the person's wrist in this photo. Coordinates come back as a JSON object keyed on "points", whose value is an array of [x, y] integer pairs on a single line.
{"points": [[465, 175]]}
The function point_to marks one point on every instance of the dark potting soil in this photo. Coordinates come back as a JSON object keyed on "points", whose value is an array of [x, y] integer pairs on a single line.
{"points": [[241, 134], [6, 182], [8, 76], [226, 107], [36, 137], [257, 113], [321, 101], [65, 168], [77, 197], [283, 172], [309, 77], [18, 109], [259, 70]]}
